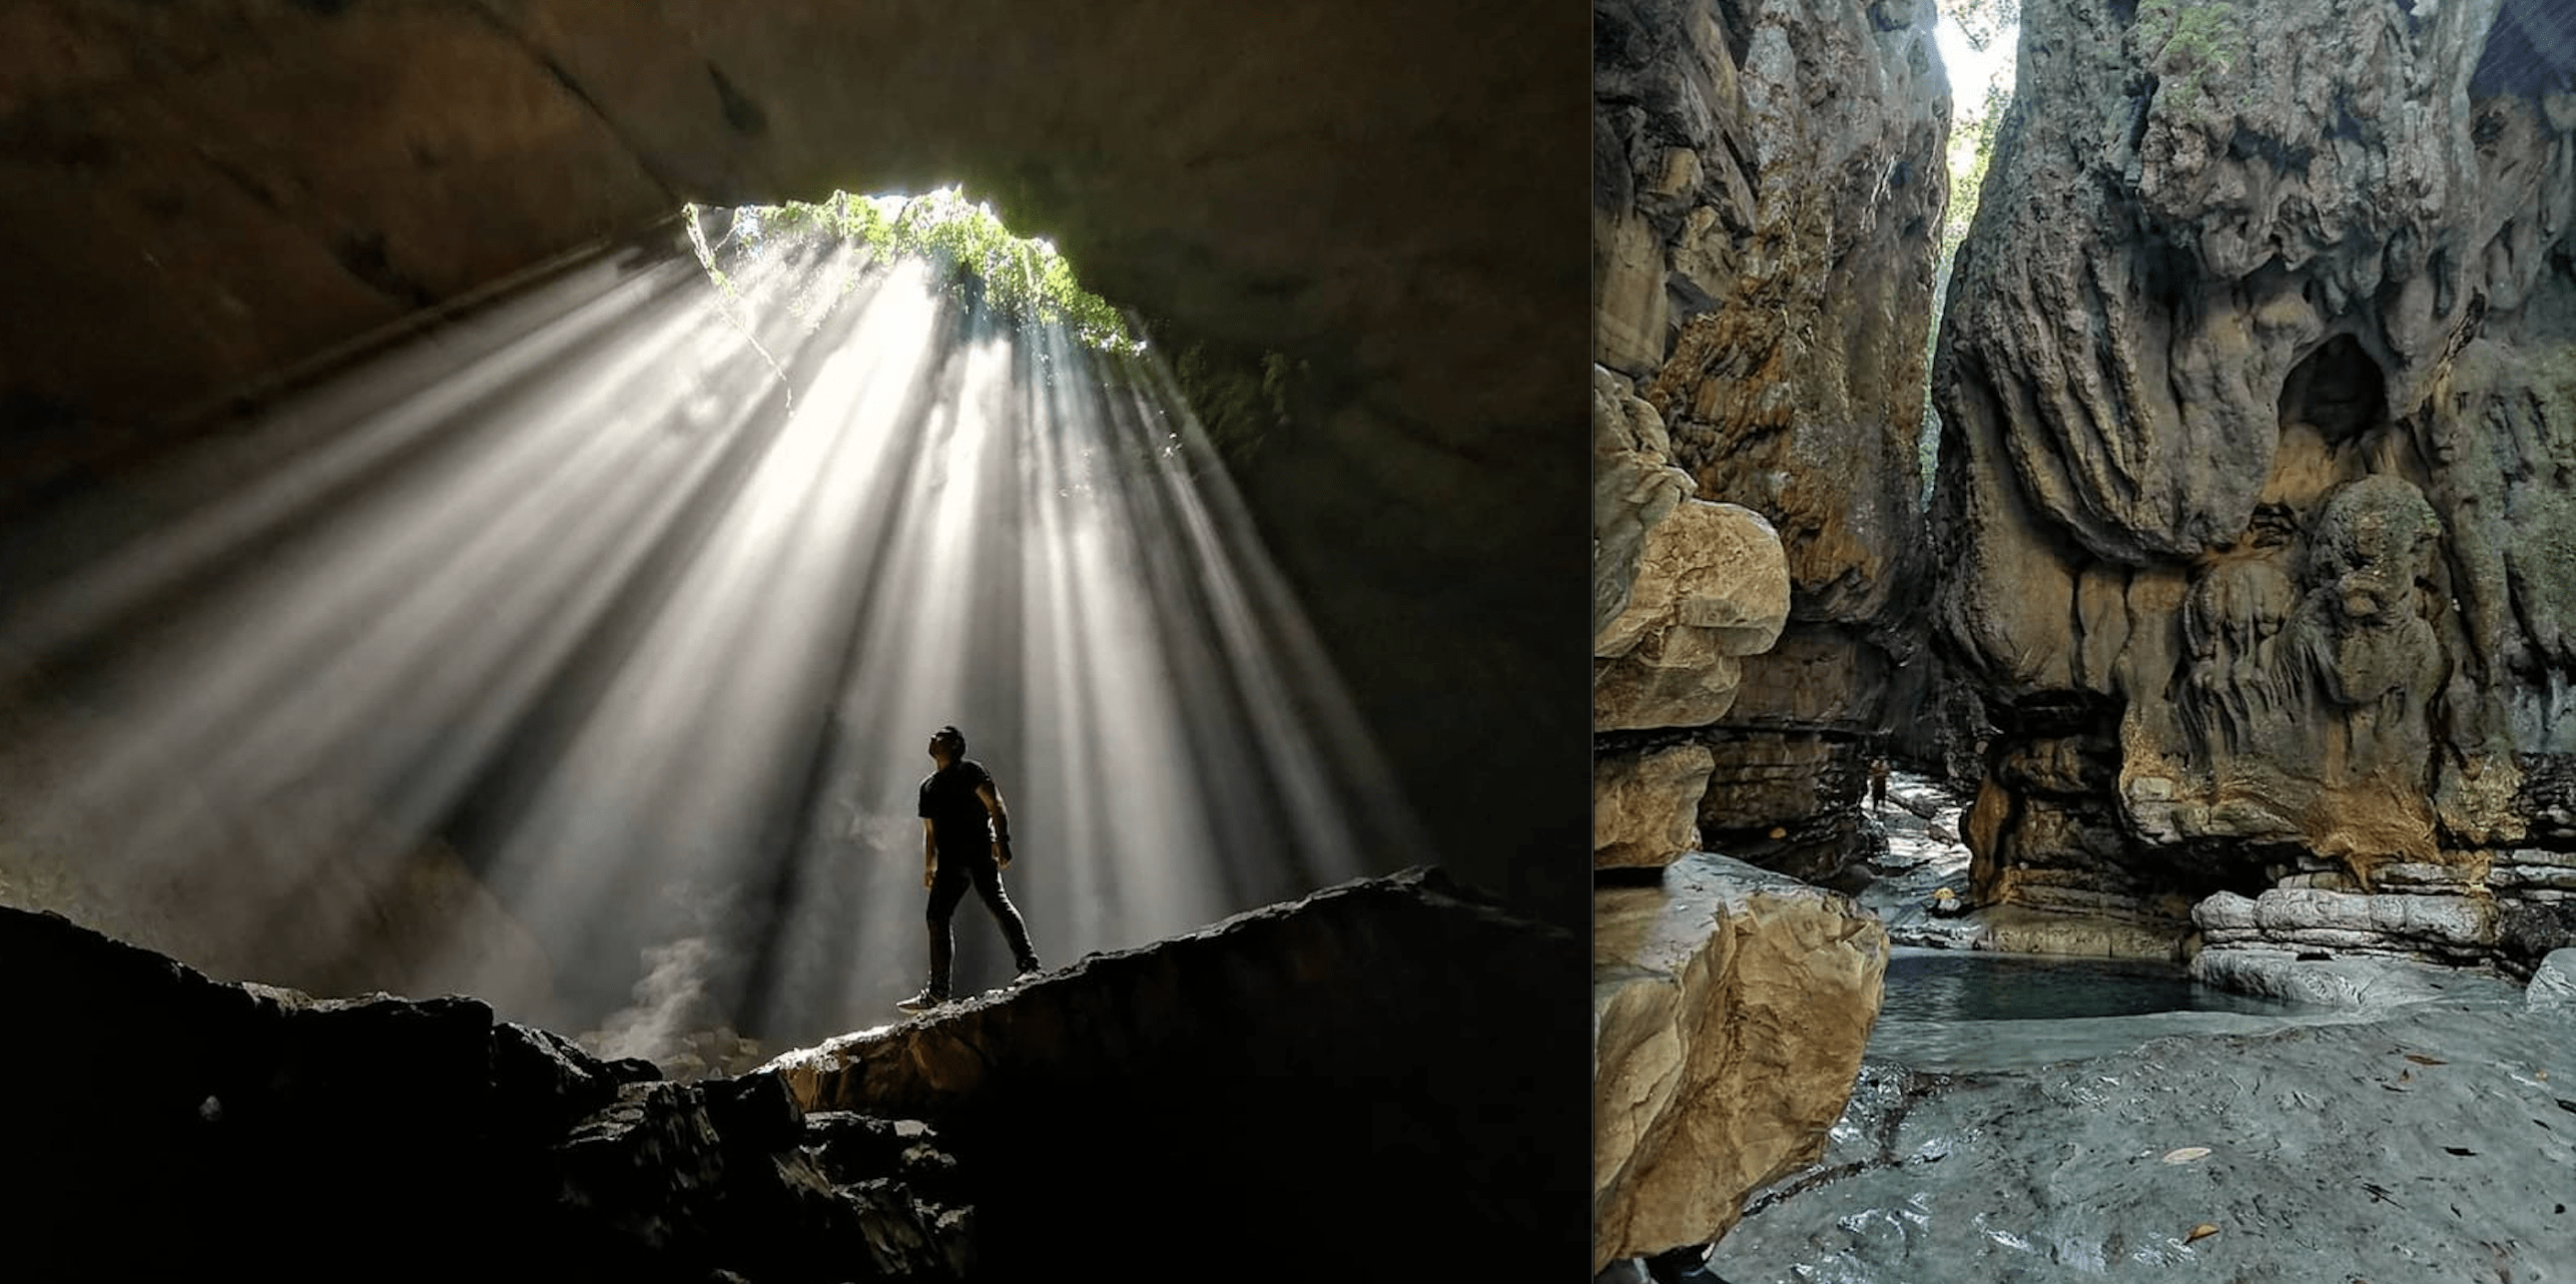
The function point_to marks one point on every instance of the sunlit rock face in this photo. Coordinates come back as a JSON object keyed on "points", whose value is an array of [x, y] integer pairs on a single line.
{"points": [[1730, 1008], [269, 1132], [229, 194], [1266, 1085], [2259, 380], [1767, 188], [1681, 589], [1645, 806], [1711, 586]]}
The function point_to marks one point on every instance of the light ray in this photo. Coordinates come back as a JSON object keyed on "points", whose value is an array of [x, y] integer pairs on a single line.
{"points": [[640, 613]]}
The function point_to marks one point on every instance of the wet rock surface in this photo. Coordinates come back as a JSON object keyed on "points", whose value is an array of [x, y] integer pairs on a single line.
{"points": [[1301, 1088], [1730, 1009], [2432, 1140]]}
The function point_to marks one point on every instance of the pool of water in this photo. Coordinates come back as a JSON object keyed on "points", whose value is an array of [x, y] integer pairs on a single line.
{"points": [[1964, 1011], [1967, 985]]}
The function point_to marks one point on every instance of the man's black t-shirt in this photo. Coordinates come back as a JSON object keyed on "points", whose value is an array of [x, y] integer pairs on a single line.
{"points": [[958, 817]]}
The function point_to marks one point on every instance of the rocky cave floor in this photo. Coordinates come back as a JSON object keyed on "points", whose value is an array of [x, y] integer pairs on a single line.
{"points": [[2427, 1131]]}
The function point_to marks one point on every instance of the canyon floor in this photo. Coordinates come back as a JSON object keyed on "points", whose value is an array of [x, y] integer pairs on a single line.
{"points": [[2426, 1134]]}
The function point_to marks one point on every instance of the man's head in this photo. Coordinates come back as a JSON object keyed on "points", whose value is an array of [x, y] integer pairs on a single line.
{"points": [[948, 744]]}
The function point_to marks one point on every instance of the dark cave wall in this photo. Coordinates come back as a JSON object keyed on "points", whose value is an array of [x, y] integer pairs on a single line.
{"points": [[226, 192]]}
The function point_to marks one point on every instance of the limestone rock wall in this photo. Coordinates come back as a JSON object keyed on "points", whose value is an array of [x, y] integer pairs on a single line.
{"points": [[2259, 390], [1730, 1009], [1767, 191], [1682, 589]]}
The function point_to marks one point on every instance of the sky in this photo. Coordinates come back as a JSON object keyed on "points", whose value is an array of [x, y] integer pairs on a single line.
{"points": [[1969, 70]]}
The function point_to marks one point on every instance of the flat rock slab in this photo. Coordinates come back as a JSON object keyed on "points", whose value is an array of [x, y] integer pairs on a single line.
{"points": [[2435, 1142], [2363, 984]]}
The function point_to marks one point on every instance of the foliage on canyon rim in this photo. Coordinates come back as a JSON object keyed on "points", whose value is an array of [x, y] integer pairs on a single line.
{"points": [[1983, 21], [1022, 278], [2188, 45], [1972, 147]]}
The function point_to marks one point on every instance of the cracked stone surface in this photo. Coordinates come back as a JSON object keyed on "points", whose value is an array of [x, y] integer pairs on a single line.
{"points": [[1731, 1006]]}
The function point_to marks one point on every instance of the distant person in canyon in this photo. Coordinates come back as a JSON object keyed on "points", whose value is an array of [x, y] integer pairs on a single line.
{"points": [[1878, 782], [965, 842]]}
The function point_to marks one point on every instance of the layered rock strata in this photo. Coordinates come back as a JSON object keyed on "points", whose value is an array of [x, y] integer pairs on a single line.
{"points": [[2501, 909], [1314, 1086], [1767, 191], [2257, 385], [1730, 1009]]}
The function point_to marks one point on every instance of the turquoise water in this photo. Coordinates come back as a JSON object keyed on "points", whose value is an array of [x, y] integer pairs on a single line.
{"points": [[1958, 1011], [1962, 985]]}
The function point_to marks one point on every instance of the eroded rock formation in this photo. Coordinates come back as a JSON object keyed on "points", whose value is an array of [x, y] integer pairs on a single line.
{"points": [[1645, 806], [1681, 589], [1356, 1085], [1767, 188], [1730, 1009], [2258, 384], [1695, 584]]}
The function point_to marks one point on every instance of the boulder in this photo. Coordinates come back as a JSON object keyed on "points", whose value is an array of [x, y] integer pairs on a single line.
{"points": [[1634, 488], [2553, 986], [1710, 587], [1645, 808], [1313, 1085], [1730, 1009]]}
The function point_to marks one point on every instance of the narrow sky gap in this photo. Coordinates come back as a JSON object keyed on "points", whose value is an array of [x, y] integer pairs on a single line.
{"points": [[625, 619]]}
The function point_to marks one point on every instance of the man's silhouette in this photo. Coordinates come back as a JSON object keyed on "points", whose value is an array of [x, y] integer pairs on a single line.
{"points": [[965, 841]]}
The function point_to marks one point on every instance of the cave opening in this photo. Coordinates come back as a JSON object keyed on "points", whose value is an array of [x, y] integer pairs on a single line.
{"points": [[585, 664], [2337, 390]]}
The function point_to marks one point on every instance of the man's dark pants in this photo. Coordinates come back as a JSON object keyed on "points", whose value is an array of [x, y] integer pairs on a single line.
{"points": [[956, 874]]}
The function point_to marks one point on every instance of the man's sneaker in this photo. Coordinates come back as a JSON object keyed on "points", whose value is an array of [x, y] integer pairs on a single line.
{"points": [[922, 1002]]}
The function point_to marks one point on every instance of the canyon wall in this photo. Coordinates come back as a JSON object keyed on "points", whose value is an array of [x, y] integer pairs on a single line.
{"points": [[2259, 392], [1767, 194]]}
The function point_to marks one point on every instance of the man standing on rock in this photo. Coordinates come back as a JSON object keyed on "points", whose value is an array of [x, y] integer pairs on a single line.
{"points": [[965, 841]]}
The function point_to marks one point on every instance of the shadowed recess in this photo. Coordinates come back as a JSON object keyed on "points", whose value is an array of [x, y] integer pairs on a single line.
{"points": [[581, 654]]}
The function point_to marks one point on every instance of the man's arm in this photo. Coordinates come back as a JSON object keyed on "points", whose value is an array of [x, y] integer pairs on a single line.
{"points": [[929, 853], [992, 796]]}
